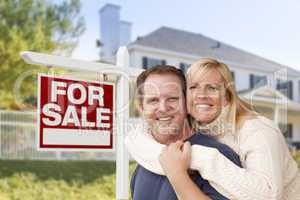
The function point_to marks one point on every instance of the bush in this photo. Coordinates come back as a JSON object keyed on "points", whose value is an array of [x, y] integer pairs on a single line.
{"points": [[59, 180], [297, 158]]}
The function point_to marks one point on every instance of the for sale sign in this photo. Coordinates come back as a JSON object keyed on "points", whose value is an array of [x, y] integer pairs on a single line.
{"points": [[74, 114]]}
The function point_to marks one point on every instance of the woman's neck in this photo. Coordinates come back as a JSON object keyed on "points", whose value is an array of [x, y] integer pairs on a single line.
{"points": [[219, 126]]}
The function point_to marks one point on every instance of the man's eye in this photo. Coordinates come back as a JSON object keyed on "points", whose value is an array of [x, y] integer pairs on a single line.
{"points": [[192, 87], [173, 99], [152, 101]]}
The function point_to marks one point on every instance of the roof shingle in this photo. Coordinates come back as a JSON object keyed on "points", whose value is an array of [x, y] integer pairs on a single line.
{"points": [[195, 44]]}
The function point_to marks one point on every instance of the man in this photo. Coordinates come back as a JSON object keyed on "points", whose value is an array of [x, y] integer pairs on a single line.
{"points": [[161, 101]]}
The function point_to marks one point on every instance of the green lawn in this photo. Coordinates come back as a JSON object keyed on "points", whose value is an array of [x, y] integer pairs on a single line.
{"points": [[59, 180]]}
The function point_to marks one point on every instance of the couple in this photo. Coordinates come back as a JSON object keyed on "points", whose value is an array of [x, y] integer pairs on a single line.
{"points": [[223, 150]]}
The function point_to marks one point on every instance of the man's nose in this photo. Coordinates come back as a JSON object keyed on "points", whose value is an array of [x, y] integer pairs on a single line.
{"points": [[163, 107]]}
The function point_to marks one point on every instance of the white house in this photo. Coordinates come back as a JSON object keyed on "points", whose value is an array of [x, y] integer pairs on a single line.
{"points": [[272, 88]]}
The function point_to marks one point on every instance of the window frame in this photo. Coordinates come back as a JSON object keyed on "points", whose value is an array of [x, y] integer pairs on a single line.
{"points": [[147, 60]]}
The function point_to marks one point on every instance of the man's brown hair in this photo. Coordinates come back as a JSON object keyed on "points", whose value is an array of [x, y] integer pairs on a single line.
{"points": [[160, 70]]}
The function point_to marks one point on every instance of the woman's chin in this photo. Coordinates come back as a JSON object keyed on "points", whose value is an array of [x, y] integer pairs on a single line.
{"points": [[204, 119]]}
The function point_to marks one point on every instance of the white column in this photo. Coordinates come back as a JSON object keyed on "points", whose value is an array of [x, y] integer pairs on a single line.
{"points": [[122, 115], [276, 115]]}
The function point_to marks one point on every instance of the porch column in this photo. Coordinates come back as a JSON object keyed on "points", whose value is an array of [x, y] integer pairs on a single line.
{"points": [[276, 115]]}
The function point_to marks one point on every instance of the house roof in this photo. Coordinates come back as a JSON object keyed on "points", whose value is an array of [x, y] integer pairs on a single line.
{"points": [[268, 95], [195, 44]]}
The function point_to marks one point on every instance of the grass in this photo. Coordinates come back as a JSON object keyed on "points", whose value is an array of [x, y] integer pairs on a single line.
{"points": [[60, 180]]}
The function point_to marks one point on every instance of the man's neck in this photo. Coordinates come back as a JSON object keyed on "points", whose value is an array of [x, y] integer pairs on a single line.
{"points": [[185, 133]]}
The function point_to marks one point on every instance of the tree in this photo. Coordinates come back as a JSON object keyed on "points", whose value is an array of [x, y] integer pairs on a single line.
{"points": [[33, 25]]}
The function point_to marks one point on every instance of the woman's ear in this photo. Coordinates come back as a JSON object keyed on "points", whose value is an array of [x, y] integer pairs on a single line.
{"points": [[226, 100]]}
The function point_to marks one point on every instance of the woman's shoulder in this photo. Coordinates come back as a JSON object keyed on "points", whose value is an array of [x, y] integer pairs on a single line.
{"points": [[260, 133], [258, 122], [257, 125]]}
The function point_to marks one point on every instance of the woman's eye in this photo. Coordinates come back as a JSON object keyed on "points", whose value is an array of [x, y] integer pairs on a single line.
{"points": [[192, 87], [212, 88]]}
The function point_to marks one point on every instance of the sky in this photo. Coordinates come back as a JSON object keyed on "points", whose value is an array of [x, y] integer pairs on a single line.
{"points": [[268, 28]]}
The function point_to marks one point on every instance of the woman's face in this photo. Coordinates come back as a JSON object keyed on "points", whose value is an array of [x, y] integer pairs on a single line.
{"points": [[205, 95]]}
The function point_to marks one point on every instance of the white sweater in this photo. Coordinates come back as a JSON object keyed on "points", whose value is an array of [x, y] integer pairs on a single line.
{"points": [[269, 171]]}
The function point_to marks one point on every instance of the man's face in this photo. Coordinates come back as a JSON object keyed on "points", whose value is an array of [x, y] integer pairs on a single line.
{"points": [[163, 106]]}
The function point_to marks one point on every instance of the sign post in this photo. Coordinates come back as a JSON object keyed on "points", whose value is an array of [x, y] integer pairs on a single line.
{"points": [[122, 162], [122, 94]]}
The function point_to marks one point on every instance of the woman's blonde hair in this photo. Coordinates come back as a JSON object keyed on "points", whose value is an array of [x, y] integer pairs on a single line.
{"points": [[239, 110]]}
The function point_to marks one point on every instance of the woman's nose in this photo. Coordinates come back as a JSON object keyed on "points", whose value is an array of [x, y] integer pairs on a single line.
{"points": [[200, 93]]}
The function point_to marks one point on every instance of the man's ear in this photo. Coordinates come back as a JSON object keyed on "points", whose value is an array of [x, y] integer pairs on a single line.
{"points": [[139, 106]]}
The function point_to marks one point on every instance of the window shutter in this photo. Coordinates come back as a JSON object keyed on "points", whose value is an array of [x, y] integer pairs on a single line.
{"points": [[233, 76], [182, 67], [251, 81], [290, 131], [145, 62], [290, 89], [286, 87]]}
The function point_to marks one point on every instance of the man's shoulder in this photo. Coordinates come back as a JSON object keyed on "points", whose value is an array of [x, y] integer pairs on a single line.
{"points": [[145, 173], [205, 140], [147, 185]]}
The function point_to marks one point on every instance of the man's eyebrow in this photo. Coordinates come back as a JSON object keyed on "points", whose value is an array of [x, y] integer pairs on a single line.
{"points": [[150, 96], [176, 96], [175, 93]]}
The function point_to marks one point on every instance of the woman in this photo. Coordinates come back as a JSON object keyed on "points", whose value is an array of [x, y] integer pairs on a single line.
{"points": [[269, 171]]}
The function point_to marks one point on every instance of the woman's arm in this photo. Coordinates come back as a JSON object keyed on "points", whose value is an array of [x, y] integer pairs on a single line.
{"points": [[264, 149], [145, 150], [261, 178], [178, 175]]}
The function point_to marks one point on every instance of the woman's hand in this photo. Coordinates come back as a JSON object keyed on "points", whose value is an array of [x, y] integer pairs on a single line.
{"points": [[175, 158]]}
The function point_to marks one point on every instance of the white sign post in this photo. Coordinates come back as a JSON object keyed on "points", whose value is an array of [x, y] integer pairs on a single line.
{"points": [[122, 163], [122, 104]]}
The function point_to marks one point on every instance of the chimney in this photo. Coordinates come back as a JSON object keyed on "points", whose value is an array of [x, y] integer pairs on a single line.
{"points": [[125, 33], [113, 32]]}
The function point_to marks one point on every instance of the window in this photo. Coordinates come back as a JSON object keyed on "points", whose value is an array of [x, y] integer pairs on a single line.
{"points": [[287, 130], [299, 91], [184, 66], [257, 81], [151, 62], [285, 87]]}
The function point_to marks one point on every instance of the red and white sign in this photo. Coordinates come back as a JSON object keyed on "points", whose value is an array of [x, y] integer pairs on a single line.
{"points": [[74, 114]]}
